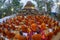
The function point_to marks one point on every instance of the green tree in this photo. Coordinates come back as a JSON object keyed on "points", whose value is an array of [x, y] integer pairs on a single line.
{"points": [[49, 5], [11, 8], [40, 4], [1, 4], [16, 4]]}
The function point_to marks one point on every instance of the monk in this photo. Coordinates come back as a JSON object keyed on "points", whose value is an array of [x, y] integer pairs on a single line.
{"points": [[43, 26], [19, 37], [36, 37], [34, 27], [24, 28]]}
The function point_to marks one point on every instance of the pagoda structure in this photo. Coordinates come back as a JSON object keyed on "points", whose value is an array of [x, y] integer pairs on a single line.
{"points": [[29, 5], [29, 8]]}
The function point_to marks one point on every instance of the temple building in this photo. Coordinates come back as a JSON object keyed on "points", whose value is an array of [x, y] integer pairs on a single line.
{"points": [[29, 8], [29, 5]]}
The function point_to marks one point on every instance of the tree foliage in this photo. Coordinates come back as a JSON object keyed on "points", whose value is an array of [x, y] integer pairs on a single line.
{"points": [[39, 4], [15, 3], [42, 3], [11, 8], [49, 6]]}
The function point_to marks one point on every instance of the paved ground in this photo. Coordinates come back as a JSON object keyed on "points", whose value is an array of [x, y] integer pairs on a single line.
{"points": [[57, 37]]}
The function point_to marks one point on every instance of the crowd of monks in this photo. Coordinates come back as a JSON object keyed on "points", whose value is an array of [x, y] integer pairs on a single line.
{"points": [[29, 27]]}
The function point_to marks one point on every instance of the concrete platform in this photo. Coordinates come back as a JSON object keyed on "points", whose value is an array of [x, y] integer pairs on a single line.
{"points": [[57, 37]]}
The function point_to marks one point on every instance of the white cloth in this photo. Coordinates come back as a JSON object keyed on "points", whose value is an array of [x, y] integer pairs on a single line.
{"points": [[25, 34], [50, 30], [16, 26], [25, 16], [6, 39], [35, 32], [1, 35]]}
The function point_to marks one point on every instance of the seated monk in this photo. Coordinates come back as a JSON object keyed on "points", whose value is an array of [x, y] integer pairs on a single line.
{"points": [[6, 26], [0, 25], [12, 27], [2, 38], [43, 26], [19, 37], [56, 23], [50, 35], [36, 37], [34, 27], [51, 24], [12, 35], [29, 16], [40, 21], [31, 21], [20, 18], [43, 17], [0, 31], [37, 18], [17, 22], [56, 30], [26, 21], [24, 28], [8, 34]]}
